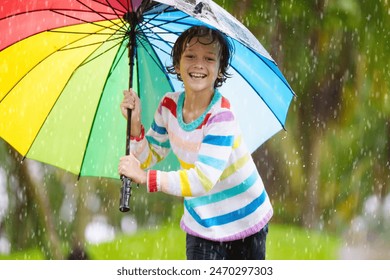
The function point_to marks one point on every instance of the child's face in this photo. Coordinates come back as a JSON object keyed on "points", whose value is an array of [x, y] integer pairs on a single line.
{"points": [[199, 65]]}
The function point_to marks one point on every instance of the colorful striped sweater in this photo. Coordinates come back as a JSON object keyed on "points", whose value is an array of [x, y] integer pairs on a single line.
{"points": [[224, 196]]}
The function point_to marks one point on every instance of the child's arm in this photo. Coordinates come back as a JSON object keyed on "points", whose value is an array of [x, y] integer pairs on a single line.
{"points": [[214, 153], [152, 146], [143, 154]]}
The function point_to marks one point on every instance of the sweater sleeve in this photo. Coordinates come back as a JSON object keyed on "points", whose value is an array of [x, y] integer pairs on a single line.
{"points": [[153, 146], [216, 147]]}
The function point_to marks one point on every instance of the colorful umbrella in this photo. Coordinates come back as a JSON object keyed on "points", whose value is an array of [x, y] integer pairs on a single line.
{"points": [[65, 63]]}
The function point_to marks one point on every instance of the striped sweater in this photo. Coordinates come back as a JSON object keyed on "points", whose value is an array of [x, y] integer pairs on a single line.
{"points": [[224, 196]]}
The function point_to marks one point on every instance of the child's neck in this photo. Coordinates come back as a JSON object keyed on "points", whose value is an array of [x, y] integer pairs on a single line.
{"points": [[195, 105]]}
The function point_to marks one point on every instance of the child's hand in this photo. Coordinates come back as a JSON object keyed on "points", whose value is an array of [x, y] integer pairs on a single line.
{"points": [[130, 167], [132, 101]]}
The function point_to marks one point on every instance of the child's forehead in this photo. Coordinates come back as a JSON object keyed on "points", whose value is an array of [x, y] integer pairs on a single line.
{"points": [[201, 41]]}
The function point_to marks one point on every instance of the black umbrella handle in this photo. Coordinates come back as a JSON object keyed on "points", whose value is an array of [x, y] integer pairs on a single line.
{"points": [[124, 203], [125, 194]]}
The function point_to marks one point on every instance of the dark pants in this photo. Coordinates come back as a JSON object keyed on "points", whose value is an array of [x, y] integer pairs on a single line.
{"points": [[249, 248]]}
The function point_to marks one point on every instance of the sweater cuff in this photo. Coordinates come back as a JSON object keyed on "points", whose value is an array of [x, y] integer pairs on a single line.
{"points": [[153, 181], [140, 137]]}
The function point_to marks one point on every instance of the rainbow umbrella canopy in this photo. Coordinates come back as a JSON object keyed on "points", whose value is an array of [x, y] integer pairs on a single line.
{"points": [[65, 63]]}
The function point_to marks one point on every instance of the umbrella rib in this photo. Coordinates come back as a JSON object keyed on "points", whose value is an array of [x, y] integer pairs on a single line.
{"points": [[154, 17], [66, 48], [142, 39], [155, 46], [81, 33], [172, 21], [115, 12], [159, 38], [100, 54], [85, 21], [144, 26], [114, 65], [165, 22], [157, 62], [159, 65], [89, 59], [125, 9]]}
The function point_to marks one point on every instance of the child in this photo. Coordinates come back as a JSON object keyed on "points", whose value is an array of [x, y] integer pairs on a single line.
{"points": [[226, 208]]}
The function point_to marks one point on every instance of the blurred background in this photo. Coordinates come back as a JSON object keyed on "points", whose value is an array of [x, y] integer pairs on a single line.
{"points": [[328, 174]]}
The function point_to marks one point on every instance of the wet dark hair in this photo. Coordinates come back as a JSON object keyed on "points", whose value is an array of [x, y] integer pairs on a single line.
{"points": [[212, 35]]}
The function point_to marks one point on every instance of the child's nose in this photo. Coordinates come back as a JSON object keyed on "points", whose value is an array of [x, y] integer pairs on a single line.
{"points": [[199, 63]]}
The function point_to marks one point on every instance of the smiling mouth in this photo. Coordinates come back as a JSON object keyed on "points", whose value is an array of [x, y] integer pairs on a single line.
{"points": [[197, 75]]}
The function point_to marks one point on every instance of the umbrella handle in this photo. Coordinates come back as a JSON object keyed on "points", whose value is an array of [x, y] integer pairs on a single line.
{"points": [[124, 203], [125, 194]]}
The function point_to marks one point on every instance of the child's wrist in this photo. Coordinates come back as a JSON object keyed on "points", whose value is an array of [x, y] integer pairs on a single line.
{"points": [[137, 134]]}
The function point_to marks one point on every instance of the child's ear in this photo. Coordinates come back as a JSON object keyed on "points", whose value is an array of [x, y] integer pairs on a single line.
{"points": [[177, 68]]}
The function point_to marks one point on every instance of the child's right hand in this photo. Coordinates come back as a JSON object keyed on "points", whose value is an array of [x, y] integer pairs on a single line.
{"points": [[130, 167], [131, 101]]}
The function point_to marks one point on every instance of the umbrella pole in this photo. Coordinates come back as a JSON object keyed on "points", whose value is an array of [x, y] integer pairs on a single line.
{"points": [[126, 182]]}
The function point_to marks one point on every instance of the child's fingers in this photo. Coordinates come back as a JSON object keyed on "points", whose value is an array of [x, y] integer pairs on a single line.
{"points": [[129, 99]]}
